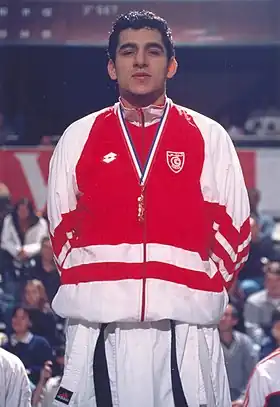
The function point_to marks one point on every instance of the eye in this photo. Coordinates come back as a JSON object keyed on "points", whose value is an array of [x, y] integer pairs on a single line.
{"points": [[155, 51], [127, 52]]}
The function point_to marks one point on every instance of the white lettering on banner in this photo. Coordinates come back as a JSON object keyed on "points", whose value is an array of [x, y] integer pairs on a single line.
{"points": [[34, 177]]}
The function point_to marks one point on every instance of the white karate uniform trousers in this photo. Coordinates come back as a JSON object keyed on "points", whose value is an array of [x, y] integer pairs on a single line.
{"points": [[139, 364]]}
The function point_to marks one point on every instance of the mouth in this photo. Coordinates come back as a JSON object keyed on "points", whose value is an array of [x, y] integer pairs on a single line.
{"points": [[141, 75]]}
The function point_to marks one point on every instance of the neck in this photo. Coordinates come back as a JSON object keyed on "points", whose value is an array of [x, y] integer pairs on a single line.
{"points": [[131, 101], [20, 335], [23, 224], [48, 264], [226, 337]]}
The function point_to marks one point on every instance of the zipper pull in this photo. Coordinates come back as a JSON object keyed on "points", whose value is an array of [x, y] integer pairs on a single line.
{"points": [[141, 206]]}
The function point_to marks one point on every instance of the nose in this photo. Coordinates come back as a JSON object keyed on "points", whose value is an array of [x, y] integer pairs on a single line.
{"points": [[140, 59]]}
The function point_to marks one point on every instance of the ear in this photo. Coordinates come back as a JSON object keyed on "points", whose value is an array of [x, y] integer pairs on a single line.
{"points": [[172, 68], [112, 70]]}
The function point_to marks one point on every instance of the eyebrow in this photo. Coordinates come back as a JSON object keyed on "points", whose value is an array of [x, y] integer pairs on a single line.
{"points": [[148, 45]]}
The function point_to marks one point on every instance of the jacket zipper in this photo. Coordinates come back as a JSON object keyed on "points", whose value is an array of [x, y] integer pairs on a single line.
{"points": [[144, 269], [143, 221]]}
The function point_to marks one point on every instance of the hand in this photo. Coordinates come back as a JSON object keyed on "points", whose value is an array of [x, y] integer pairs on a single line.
{"points": [[237, 403], [22, 255], [46, 372]]}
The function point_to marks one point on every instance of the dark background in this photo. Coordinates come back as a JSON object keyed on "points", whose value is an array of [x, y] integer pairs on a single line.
{"points": [[46, 84], [193, 22]]}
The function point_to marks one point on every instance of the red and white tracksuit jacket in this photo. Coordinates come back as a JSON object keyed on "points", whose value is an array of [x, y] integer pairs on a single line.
{"points": [[263, 389], [141, 244]]}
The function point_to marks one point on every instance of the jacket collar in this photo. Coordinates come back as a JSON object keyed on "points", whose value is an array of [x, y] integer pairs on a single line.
{"points": [[151, 114], [26, 339]]}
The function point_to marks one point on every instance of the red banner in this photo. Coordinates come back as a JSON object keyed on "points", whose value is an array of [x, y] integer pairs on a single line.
{"points": [[25, 172]]}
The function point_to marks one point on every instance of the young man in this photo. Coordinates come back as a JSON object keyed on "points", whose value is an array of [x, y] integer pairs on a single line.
{"points": [[259, 307], [149, 225], [33, 350], [264, 386], [240, 355], [14, 383], [272, 342]]}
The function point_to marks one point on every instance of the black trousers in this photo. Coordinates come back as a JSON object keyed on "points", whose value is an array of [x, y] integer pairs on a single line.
{"points": [[101, 375]]}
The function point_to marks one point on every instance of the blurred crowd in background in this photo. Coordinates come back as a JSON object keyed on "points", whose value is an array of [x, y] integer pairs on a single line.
{"points": [[249, 329]]}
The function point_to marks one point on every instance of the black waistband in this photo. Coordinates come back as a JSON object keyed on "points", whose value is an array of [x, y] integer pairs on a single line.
{"points": [[100, 372], [101, 375]]}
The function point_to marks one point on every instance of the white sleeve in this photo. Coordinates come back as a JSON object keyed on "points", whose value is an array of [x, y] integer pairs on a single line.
{"points": [[7, 241], [50, 391], [257, 389], [62, 187], [61, 200], [34, 248], [228, 203], [18, 392]]}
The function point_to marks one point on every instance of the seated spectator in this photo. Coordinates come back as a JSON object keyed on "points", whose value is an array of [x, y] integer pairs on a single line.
{"points": [[262, 227], [43, 318], [5, 203], [251, 277], [45, 270], [5, 208], [272, 342], [265, 222], [14, 383], [21, 239], [239, 353], [237, 299], [259, 307], [32, 350], [23, 231], [47, 388]]}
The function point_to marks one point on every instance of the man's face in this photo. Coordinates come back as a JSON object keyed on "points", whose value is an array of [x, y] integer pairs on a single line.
{"points": [[23, 212], [272, 284], [46, 251], [228, 321], [21, 322], [141, 65], [32, 295]]}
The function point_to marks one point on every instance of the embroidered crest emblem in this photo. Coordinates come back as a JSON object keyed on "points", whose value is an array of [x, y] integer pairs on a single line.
{"points": [[175, 161]]}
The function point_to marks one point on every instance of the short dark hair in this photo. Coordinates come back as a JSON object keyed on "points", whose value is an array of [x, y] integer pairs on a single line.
{"points": [[275, 317], [138, 20], [25, 309]]}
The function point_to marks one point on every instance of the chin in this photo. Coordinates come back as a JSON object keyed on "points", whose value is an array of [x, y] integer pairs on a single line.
{"points": [[141, 92]]}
